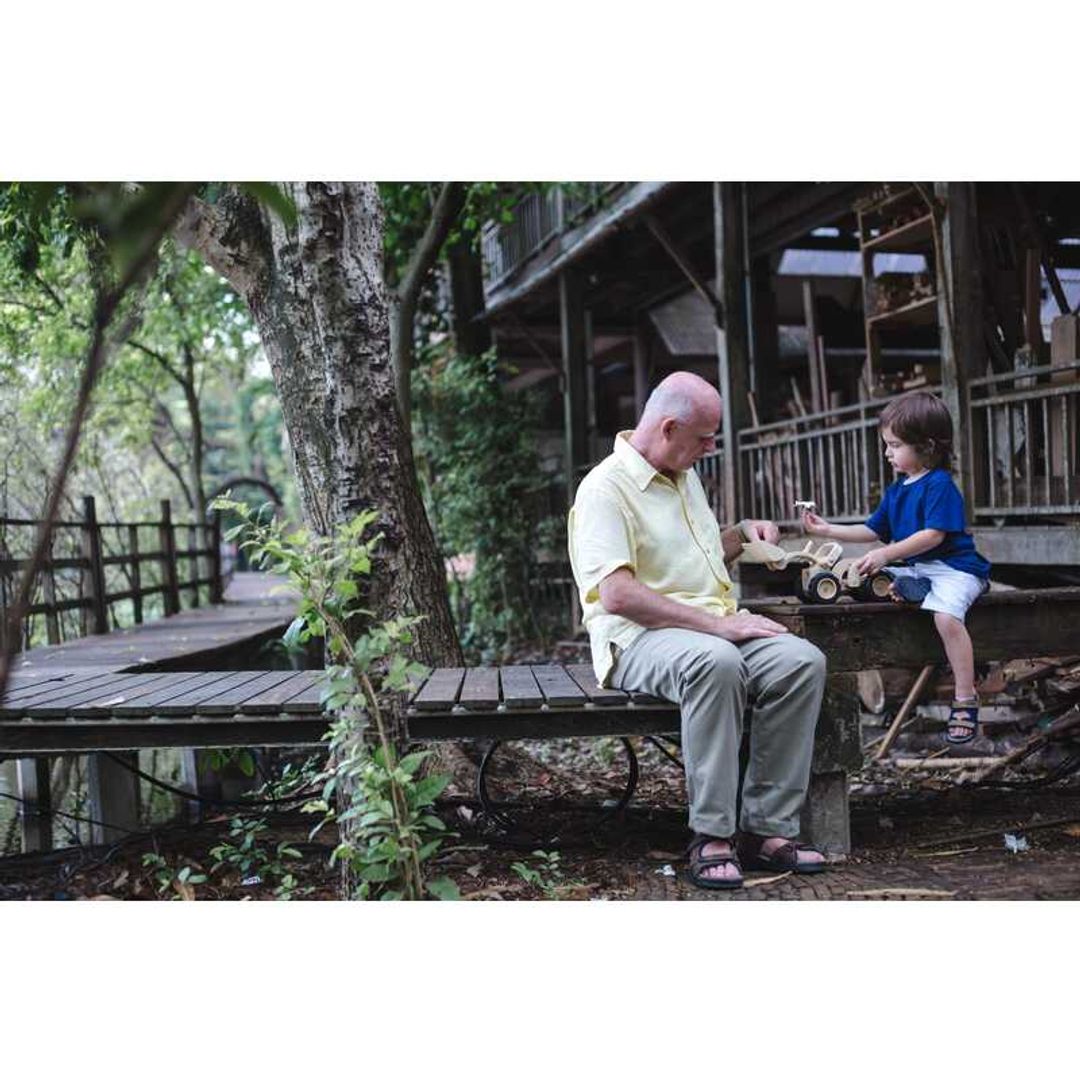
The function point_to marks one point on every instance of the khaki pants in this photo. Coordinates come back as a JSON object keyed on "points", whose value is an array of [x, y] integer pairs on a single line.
{"points": [[712, 680]]}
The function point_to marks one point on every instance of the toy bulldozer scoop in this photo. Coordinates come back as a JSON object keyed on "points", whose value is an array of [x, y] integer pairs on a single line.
{"points": [[825, 573]]}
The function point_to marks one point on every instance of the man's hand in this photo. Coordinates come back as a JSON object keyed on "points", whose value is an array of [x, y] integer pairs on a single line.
{"points": [[873, 561], [744, 626], [761, 530]]}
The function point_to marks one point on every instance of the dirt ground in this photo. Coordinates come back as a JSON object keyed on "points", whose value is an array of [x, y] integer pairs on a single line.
{"points": [[912, 840]]}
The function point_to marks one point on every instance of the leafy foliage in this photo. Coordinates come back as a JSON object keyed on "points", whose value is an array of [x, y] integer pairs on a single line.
{"points": [[477, 449], [380, 801]]}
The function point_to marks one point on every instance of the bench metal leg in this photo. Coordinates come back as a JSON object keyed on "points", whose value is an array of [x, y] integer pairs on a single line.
{"points": [[501, 813]]}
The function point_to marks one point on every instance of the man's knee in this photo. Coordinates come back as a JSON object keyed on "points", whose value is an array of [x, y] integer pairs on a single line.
{"points": [[716, 660], [806, 657]]}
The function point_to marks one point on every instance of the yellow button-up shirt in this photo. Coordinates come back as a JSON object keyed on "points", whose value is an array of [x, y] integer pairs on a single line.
{"points": [[626, 513]]}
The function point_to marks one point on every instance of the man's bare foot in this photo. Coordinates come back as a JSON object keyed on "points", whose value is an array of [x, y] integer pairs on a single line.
{"points": [[728, 871]]}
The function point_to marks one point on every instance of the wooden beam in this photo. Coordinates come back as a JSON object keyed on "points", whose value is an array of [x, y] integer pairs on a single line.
{"points": [[682, 261], [113, 794], [35, 810], [731, 333], [641, 365], [817, 400], [960, 317], [574, 359]]}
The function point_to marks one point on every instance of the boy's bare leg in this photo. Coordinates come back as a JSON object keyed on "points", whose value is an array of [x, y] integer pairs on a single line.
{"points": [[961, 657]]}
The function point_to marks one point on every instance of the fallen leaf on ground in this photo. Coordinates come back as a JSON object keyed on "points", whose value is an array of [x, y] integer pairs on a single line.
{"points": [[1071, 830]]}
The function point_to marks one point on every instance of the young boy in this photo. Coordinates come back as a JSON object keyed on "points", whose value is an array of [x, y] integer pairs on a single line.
{"points": [[921, 520]]}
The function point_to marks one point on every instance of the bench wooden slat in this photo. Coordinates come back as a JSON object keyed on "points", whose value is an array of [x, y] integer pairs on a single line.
{"points": [[585, 677], [519, 689], [56, 700], [440, 692], [191, 695], [558, 688], [145, 702], [307, 700], [46, 687], [119, 694], [271, 700], [480, 690], [225, 703]]}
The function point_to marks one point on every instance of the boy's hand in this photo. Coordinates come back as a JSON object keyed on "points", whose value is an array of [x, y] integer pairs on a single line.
{"points": [[872, 562], [814, 525]]}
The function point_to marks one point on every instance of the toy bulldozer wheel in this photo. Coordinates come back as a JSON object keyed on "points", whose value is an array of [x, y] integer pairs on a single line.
{"points": [[875, 587], [823, 588]]}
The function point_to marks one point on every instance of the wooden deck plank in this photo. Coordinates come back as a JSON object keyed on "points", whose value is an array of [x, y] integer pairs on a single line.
{"points": [[144, 704], [308, 700], [64, 693], [480, 689], [440, 692], [557, 687], [90, 694], [46, 686], [585, 677], [271, 700], [519, 689], [190, 696], [119, 695], [225, 703]]}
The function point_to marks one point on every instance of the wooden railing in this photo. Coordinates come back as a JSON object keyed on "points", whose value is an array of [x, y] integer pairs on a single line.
{"points": [[1024, 432], [834, 458], [99, 575], [537, 218]]}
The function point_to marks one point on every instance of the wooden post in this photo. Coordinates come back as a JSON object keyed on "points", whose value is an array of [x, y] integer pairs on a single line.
{"points": [[731, 334], [217, 590], [168, 559], [35, 810], [52, 616], [193, 562], [136, 571], [963, 348], [113, 794], [817, 397], [765, 342], [572, 319], [94, 576], [641, 366]]}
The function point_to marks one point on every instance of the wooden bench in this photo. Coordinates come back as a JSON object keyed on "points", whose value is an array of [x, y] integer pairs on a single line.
{"points": [[552, 701]]}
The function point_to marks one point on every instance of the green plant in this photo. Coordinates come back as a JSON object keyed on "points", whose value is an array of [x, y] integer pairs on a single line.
{"points": [[476, 446], [244, 853], [166, 879], [546, 874], [379, 800]]}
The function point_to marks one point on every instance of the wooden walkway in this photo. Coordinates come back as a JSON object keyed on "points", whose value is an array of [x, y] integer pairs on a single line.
{"points": [[251, 613]]}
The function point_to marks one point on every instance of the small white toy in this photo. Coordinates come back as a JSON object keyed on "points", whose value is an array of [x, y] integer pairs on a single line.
{"points": [[805, 506]]}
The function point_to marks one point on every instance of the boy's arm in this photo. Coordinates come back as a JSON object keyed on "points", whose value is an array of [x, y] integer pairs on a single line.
{"points": [[915, 544], [818, 526]]}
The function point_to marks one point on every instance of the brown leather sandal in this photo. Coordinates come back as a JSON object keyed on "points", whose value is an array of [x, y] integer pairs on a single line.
{"points": [[785, 857], [699, 862]]}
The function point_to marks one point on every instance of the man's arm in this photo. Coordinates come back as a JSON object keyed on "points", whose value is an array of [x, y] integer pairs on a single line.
{"points": [[622, 594]]}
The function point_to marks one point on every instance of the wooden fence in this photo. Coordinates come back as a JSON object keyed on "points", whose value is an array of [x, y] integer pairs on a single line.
{"points": [[1024, 442], [100, 576]]}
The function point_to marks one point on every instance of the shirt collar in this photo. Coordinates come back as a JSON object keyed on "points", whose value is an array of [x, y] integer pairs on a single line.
{"points": [[641, 472]]}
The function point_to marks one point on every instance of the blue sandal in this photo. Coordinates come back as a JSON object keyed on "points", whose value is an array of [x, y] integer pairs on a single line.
{"points": [[965, 715]]}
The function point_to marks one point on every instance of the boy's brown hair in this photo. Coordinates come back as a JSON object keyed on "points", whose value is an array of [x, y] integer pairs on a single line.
{"points": [[922, 421]]}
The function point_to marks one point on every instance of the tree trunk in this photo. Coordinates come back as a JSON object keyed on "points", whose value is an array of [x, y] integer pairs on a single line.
{"points": [[317, 294], [472, 338]]}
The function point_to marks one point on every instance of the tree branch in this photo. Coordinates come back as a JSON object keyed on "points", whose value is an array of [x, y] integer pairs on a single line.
{"points": [[175, 470]]}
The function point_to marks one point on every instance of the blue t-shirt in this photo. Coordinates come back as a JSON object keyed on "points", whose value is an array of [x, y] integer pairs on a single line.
{"points": [[931, 502]]}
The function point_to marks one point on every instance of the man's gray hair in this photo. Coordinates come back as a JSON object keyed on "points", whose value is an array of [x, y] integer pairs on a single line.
{"points": [[668, 400]]}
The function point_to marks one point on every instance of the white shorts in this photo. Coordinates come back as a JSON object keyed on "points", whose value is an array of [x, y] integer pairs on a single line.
{"points": [[951, 591]]}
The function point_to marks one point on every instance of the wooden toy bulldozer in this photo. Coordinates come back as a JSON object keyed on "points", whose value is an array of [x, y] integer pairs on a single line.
{"points": [[825, 574]]}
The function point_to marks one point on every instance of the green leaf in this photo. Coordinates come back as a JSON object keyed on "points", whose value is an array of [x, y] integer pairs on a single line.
{"points": [[271, 196], [443, 889]]}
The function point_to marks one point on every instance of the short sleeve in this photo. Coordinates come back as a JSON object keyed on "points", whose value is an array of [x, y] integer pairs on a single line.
{"points": [[601, 540], [878, 521], [944, 508]]}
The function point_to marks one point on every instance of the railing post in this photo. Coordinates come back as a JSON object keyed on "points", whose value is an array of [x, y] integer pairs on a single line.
{"points": [[35, 810], [94, 590], [217, 591], [168, 560], [136, 572]]}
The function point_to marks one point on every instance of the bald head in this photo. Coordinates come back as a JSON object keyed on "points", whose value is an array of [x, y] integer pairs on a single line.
{"points": [[682, 396], [678, 424]]}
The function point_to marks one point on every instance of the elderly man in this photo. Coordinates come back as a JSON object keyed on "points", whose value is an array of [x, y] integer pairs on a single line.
{"points": [[650, 561]]}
